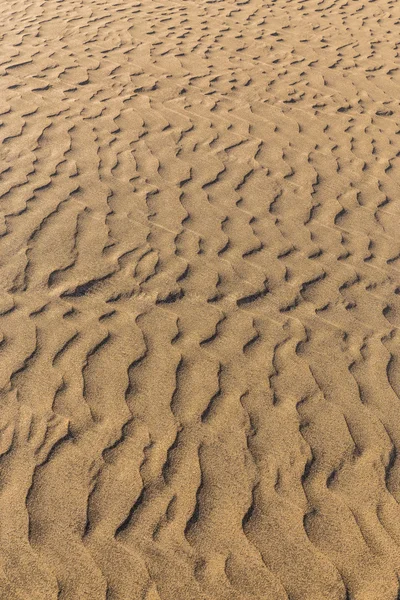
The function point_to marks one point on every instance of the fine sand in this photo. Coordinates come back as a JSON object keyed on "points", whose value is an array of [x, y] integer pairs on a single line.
{"points": [[199, 299]]}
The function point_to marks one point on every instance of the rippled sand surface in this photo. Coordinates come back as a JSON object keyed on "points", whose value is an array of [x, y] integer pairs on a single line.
{"points": [[199, 300]]}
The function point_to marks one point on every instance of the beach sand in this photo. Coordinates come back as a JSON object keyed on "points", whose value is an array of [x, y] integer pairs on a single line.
{"points": [[199, 300]]}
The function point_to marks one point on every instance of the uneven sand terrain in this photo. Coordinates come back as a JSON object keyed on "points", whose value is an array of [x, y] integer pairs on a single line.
{"points": [[200, 300]]}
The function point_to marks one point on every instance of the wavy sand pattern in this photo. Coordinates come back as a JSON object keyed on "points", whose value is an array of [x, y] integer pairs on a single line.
{"points": [[200, 300]]}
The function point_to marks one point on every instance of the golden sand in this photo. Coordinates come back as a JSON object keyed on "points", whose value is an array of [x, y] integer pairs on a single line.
{"points": [[200, 300]]}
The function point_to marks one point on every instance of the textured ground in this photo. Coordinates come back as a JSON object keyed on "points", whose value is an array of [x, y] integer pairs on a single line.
{"points": [[200, 300]]}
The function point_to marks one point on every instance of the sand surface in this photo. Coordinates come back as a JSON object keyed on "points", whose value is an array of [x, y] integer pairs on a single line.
{"points": [[199, 300]]}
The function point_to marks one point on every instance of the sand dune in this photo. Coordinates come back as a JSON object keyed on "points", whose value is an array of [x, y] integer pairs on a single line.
{"points": [[200, 300]]}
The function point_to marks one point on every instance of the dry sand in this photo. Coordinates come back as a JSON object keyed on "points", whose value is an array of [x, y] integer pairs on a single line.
{"points": [[200, 300]]}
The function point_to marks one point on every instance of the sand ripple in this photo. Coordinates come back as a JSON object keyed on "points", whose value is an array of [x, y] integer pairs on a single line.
{"points": [[200, 300]]}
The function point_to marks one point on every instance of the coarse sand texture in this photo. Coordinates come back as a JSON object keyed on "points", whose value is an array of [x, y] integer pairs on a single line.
{"points": [[199, 299]]}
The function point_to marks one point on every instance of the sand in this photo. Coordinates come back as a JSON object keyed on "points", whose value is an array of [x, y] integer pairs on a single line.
{"points": [[199, 300]]}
